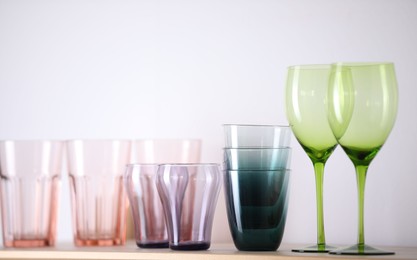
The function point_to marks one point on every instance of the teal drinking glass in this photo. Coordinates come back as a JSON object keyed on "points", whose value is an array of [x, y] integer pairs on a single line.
{"points": [[256, 202], [362, 108], [305, 96]]}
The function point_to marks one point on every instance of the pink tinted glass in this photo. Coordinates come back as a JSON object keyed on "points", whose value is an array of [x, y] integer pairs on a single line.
{"points": [[189, 195], [146, 208], [30, 175], [99, 202]]}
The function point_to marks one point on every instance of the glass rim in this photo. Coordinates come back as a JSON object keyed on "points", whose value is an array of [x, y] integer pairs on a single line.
{"points": [[309, 66], [97, 140], [166, 139], [141, 164], [277, 170], [258, 148], [255, 125], [188, 164], [363, 64], [33, 140]]}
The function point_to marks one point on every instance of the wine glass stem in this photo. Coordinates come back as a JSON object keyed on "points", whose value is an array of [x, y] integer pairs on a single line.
{"points": [[319, 172], [360, 179]]}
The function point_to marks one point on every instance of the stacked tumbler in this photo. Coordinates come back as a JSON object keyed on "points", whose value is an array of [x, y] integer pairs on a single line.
{"points": [[256, 177]]}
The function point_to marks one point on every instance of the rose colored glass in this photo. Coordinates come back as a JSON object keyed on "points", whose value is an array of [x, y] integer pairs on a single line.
{"points": [[146, 208], [99, 202], [189, 195], [30, 173]]}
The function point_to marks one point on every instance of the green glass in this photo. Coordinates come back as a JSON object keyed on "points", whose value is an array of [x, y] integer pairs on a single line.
{"points": [[362, 108], [306, 108]]}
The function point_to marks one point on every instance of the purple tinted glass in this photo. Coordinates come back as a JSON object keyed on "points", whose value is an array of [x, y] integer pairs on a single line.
{"points": [[189, 195], [145, 205]]}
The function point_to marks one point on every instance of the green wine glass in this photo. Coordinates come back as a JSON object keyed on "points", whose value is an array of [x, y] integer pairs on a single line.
{"points": [[306, 91], [362, 107]]}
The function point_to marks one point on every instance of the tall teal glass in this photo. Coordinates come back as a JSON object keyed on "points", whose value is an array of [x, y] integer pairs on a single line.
{"points": [[256, 176]]}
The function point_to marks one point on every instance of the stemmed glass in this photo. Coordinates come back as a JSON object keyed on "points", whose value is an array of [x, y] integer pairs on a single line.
{"points": [[362, 106], [306, 109]]}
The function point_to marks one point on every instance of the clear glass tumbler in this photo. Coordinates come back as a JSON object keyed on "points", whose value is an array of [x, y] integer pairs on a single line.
{"points": [[189, 195], [99, 201], [30, 173]]}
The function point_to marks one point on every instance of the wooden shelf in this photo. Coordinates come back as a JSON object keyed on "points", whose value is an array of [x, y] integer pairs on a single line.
{"points": [[216, 251]]}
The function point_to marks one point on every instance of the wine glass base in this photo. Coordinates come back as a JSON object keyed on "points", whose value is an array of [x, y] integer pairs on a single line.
{"points": [[360, 250], [315, 249]]}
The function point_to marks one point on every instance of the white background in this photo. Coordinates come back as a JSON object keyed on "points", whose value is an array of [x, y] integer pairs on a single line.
{"points": [[172, 69]]}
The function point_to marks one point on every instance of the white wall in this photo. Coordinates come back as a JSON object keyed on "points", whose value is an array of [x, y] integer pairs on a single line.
{"points": [[137, 69]]}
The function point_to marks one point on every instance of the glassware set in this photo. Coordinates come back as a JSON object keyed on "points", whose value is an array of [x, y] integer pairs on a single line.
{"points": [[172, 196], [350, 104], [140, 181], [256, 176]]}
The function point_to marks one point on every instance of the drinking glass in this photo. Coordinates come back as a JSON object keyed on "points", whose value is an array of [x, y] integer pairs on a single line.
{"points": [[98, 197], [30, 174], [145, 204], [362, 108], [306, 110], [189, 195], [256, 203], [256, 175]]}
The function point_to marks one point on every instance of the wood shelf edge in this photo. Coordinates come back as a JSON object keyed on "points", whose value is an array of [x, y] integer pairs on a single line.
{"points": [[216, 251]]}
